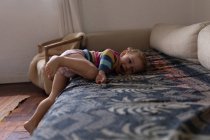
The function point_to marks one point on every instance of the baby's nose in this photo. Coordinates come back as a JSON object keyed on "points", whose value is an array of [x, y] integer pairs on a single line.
{"points": [[129, 67]]}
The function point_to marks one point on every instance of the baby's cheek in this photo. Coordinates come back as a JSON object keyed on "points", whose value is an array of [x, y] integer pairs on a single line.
{"points": [[128, 72]]}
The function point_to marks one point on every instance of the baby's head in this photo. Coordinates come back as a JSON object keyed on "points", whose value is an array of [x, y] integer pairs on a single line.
{"points": [[131, 61]]}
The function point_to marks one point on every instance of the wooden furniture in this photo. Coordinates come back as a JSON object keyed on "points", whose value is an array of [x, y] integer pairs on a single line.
{"points": [[45, 51], [55, 44]]}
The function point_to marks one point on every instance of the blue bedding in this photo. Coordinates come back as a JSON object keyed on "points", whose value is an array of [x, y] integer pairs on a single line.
{"points": [[170, 101]]}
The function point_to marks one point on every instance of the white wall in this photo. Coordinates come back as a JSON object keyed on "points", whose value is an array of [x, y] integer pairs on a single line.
{"points": [[201, 10], [23, 24], [100, 15]]}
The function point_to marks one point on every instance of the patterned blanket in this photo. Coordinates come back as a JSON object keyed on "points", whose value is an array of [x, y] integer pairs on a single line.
{"points": [[170, 101]]}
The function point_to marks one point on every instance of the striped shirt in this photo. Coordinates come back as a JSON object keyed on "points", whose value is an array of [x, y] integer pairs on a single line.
{"points": [[105, 61]]}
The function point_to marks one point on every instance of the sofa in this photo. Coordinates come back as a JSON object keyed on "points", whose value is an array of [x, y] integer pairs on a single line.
{"points": [[170, 100], [117, 40]]}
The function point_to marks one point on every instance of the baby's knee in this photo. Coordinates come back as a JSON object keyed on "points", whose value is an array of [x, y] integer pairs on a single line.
{"points": [[91, 74]]}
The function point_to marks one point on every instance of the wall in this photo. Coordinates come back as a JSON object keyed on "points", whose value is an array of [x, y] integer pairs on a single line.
{"points": [[24, 24], [101, 15], [201, 10]]}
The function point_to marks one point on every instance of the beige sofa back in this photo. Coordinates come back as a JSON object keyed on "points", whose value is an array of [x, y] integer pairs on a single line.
{"points": [[118, 40]]}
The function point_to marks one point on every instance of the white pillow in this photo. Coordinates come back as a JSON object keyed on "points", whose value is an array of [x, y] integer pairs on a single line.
{"points": [[176, 40], [204, 47]]}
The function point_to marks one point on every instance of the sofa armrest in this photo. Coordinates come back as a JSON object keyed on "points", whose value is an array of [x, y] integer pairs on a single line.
{"points": [[58, 44], [41, 46]]}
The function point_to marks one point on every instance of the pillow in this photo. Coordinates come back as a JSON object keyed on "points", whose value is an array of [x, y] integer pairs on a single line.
{"points": [[204, 47], [176, 40]]}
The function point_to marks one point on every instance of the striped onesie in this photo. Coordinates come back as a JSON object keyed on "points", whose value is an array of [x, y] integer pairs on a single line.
{"points": [[106, 60]]}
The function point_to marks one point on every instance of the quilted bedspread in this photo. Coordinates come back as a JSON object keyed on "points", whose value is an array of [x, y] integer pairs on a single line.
{"points": [[170, 101]]}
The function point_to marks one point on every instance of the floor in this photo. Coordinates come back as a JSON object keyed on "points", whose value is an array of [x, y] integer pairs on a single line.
{"points": [[11, 128]]}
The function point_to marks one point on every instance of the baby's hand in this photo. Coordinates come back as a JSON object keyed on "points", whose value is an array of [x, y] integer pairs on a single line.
{"points": [[101, 77]]}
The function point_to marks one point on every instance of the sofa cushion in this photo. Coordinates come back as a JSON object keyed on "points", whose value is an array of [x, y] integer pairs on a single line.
{"points": [[204, 47], [176, 40], [118, 40]]}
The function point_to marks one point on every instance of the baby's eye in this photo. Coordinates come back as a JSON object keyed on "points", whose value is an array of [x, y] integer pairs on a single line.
{"points": [[130, 61]]}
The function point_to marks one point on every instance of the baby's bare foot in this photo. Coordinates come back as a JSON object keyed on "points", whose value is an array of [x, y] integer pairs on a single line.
{"points": [[29, 127], [52, 66]]}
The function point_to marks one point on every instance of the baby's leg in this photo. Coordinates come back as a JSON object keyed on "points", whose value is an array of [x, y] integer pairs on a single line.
{"points": [[52, 66], [77, 63], [59, 83], [55, 61]]}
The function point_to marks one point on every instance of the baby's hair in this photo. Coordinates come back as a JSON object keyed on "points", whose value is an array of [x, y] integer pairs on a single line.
{"points": [[140, 54]]}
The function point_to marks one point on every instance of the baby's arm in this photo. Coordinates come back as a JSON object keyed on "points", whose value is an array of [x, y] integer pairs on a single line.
{"points": [[106, 65], [101, 77]]}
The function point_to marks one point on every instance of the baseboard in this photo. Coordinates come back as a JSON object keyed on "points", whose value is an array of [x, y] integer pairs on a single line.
{"points": [[13, 79]]}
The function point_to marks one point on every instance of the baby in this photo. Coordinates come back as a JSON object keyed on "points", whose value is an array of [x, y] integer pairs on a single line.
{"points": [[92, 65]]}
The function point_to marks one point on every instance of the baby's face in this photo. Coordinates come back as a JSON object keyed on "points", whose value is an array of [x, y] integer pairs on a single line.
{"points": [[130, 63]]}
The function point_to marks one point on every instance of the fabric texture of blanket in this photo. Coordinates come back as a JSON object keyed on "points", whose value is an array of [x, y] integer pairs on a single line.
{"points": [[168, 101]]}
